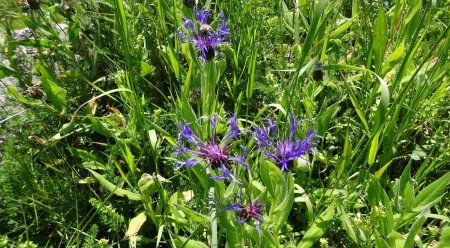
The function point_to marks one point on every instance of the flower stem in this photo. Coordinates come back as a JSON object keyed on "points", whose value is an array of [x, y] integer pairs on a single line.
{"points": [[214, 243]]}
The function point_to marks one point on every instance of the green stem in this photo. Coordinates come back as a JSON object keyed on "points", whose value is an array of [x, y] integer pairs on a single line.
{"points": [[214, 242], [275, 237]]}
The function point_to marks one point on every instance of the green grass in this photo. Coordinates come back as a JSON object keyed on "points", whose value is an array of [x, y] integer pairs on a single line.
{"points": [[92, 161]]}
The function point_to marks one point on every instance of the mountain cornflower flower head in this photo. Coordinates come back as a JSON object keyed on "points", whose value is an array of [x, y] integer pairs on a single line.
{"points": [[216, 154], [318, 72], [284, 151], [202, 35], [189, 3], [246, 213]]}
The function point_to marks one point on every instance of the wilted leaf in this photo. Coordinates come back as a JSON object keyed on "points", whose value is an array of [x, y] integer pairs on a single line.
{"points": [[135, 224]]}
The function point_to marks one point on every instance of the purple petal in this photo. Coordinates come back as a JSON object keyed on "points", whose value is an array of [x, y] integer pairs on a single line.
{"points": [[263, 138], [213, 128], [259, 218], [225, 174], [293, 127], [241, 159], [187, 23], [284, 151], [234, 131], [284, 166], [222, 32], [236, 206], [242, 220], [202, 15], [272, 127], [190, 162], [186, 131]]}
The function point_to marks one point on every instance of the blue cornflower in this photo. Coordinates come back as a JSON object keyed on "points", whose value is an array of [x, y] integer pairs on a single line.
{"points": [[253, 210], [215, 154], [203, 36], [284, 151]]}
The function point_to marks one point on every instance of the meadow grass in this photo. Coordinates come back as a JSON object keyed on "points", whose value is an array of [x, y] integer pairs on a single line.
{"points": [[122, 139]]}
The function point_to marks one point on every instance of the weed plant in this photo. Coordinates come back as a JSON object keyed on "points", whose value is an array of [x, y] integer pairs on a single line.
{"points": [[180, 123]]}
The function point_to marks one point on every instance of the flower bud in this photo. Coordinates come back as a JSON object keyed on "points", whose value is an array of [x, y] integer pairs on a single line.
{"points": [[150, 184]]}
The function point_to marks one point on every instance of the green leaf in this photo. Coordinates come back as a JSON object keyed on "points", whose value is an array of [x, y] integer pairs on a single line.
{"points": [[146, 68], [6, 72], [36, 43], [115, 189], [348, 225], [413, 11], [271, 176], [346, 25], [281, 188], [373, 148], [346, 157], [429, 194], [318, 228], [94, 165], [73, 32], [160, 231], [445, 239], [284, 199], [264, 238], [380, 242], [100, 128], [187, 112], [251, 66], [379, 38], [232, 238], [356, 106], [202, 176], [324, 118], [393, 59], [166, 135], [312, 31], [304, 198], [378, 199], [408, 195], [128, 156], [382, 107], [405, 178], [274, 105], [30, 22], [26, 100], [55, 94], [84, 155], [189, 243], [174, 62], [415, 229], [122, 27], [381, 171]]}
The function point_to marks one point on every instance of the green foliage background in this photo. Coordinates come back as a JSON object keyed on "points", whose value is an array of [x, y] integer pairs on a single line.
{"points": [[78, 148]]}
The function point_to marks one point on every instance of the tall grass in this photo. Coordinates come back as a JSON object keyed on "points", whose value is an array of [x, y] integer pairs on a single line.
{"points": [[93, 164]]}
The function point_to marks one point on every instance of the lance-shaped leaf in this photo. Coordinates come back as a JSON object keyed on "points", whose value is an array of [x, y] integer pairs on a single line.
{"points": [[318, 228], [114, 188], [135, 225]]}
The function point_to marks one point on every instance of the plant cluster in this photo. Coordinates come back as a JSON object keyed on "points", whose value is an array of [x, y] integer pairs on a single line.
{"points": [[191, 123]]}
